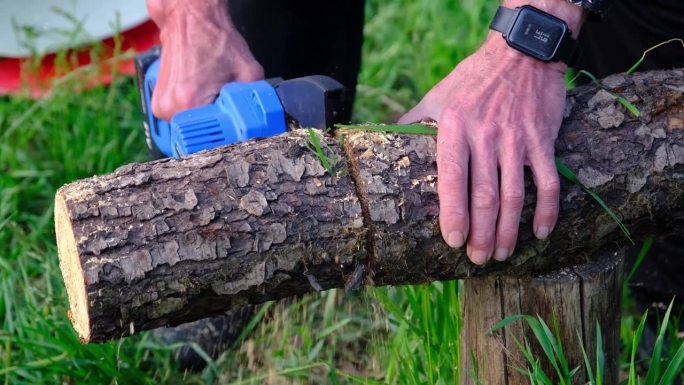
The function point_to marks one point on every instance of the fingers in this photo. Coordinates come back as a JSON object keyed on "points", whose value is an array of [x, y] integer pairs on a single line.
{"points": [[414, 115], [419, 113], [181, 90], [512, 194], [452, 185], [484, 204], [547, 181], [156, 11], [250, 73], [171, 93]]}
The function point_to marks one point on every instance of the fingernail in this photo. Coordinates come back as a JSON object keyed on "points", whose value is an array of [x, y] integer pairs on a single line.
{"points": [[479, 257], [542, 232], [501, 254], [455, 239]]}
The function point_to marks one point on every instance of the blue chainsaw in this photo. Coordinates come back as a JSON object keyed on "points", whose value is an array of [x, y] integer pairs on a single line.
{"points": [[240, 112]]}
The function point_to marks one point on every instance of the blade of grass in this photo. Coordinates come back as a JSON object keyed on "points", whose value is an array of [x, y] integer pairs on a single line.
{"points": [[285, 372], [632, 380], [629, 106], [643, 56], [655, 362], [559, 352], [675, 367], [331, 329], [506, 321], [548, 342], [600, 357], [413, 129], [640, 258], [474, 374], [36, 364], [325, 161], [543, 335], [569, 175], [537, 375], [587, 365], [253, 323]]}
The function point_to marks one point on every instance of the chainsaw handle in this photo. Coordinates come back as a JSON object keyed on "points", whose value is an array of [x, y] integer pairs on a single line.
{"points": [[240, 112]]}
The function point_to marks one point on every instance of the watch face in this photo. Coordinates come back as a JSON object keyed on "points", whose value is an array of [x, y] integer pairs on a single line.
{"points": [[536, 33]]}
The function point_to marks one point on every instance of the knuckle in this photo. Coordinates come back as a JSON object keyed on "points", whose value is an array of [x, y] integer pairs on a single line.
{"points": [[512, 198], [184, 100], [254, 71], [160, 107], [485, 197], [450, 169], [258, 71], [452, 117], [542, 145], [486, 136], [550, 187]]}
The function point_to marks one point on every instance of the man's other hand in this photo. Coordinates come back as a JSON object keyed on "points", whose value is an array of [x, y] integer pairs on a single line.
{"points": [[497, 111], [201, 51]]}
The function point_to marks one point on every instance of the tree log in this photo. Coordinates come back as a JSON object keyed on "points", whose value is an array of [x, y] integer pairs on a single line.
{"points": [[577, 298], [171, 241]]}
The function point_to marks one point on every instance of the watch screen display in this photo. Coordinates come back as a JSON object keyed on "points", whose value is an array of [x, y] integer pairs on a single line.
{"points": [[536, 33]]}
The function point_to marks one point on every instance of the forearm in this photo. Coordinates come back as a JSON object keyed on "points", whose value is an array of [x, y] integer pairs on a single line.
{"points": [[178, 13]]}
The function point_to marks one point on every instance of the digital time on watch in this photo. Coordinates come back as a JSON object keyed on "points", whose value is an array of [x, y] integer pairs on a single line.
{"points": [[536, 33]]}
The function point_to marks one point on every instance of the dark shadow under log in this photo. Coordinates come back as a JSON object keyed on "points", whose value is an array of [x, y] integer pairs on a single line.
{"points": [[172, 241]]}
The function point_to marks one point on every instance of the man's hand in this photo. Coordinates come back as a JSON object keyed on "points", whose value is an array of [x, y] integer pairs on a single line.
{"points": [[201, 52], [497, 111]]}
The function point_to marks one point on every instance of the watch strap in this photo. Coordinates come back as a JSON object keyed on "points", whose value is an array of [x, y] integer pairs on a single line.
{"points": [[503, 19], [568, 50]]}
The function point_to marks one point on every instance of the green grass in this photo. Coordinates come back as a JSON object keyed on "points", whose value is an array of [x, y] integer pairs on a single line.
{"points": [[664, 366], [387, 335]]}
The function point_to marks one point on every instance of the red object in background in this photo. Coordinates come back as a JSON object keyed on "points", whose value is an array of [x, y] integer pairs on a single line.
{"points": [[16, 75]]}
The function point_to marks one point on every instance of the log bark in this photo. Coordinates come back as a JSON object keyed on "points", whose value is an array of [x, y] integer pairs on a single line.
{"points": [[172, 241], [577, 298]]}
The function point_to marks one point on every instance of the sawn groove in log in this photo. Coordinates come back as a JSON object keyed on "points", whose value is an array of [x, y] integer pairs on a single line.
{"points": [[171, 241]]}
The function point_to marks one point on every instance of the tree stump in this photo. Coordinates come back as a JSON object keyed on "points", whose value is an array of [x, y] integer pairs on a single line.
{"points": [[577, 297]]}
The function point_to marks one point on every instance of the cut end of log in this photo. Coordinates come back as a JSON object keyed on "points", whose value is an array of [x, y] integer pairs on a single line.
{"points": [[72, 272]]}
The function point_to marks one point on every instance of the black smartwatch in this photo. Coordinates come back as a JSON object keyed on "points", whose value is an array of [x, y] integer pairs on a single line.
{"points": [[536, 33]]}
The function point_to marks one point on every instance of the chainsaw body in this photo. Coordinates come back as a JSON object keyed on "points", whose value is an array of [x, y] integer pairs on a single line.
{"points": [[241, 111]]}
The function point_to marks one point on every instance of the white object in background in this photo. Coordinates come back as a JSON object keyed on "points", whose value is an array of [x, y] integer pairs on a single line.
{"points": [[45, 26]]}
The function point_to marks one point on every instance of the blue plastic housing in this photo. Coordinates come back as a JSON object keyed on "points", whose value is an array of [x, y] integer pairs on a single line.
{"points": [[242, 111], [159, 130]]}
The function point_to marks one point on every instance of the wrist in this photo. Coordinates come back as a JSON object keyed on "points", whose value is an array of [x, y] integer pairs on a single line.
{"points": [[496, 50], [510, 52]]}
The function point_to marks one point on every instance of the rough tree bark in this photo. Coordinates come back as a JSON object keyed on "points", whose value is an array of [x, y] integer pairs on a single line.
{"points": [[171, 241]]}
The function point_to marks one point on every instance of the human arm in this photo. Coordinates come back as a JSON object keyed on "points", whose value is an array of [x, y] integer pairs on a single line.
{"points": [[201, 51], [497, 111]]}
